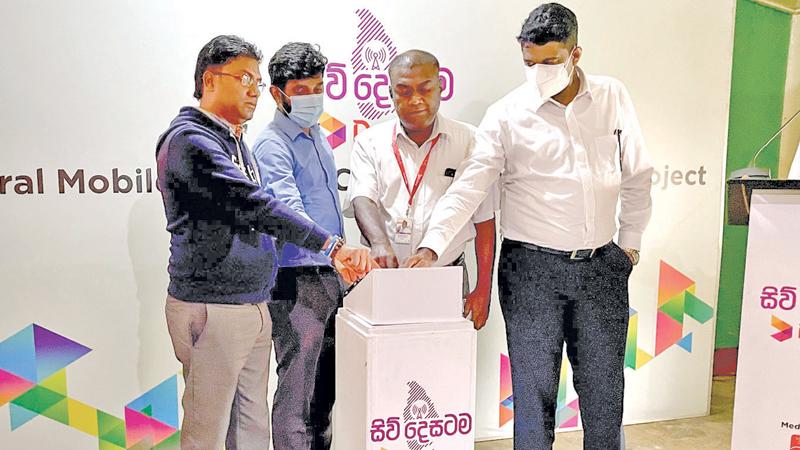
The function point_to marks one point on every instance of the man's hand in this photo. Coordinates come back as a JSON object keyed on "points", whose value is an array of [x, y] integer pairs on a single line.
{"points": [[348, 275], [478, 304], [633, 255], [424, 257], [352, 263], [384, 256]]}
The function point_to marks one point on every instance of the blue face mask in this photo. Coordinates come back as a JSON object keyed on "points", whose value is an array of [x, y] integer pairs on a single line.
{"points": [[306, 109]]}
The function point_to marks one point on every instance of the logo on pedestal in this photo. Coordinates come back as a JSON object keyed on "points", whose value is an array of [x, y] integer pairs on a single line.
{"points": [[422, 426]]}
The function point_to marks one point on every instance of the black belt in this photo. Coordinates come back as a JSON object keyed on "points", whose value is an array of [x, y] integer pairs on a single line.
{"points": [[305, 270], [458, 261], [575, 255]]}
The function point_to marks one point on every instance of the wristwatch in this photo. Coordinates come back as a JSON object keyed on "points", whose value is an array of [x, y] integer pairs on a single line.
{"points": [[334, 244], [633, 254]]}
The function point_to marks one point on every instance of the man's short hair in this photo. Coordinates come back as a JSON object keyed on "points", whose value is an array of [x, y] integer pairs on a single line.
{"points": [[411, 58], [549, 22], [218, 51], [295, 61]]}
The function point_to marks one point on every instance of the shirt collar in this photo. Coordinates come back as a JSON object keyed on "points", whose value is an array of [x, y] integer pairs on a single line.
{"points": [[236, 130], [538, 101], [288, 126], [439, 127]]}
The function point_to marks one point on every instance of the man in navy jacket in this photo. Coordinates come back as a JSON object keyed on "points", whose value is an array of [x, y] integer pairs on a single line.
{"points": [[222, 252]]}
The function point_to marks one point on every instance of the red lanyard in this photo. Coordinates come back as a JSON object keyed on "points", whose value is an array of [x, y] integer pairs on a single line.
{"points": [[420, 173]]}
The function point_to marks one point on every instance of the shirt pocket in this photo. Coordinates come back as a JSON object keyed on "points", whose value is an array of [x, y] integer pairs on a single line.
{"points": [[606, 155], [440, 183]]}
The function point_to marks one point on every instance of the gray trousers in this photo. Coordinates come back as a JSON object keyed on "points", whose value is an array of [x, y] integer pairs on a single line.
{"points": [[303, 311], [224, 350], [548, 300]]}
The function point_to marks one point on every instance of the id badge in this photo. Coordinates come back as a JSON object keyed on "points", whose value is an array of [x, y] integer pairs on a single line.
{"points": [[402, 230]]}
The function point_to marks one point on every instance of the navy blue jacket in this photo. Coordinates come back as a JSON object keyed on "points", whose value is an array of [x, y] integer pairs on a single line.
{"points": [[221, 222]]}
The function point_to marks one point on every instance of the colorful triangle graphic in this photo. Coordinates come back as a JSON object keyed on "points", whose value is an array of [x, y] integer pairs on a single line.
{"points": [[568, 415], [20, 416], [686, 343], [697, 309], [671, 283], [505, 377], [57, 382], [506, 393], [668, 332], [160, 402], [54, 352], [506, 415], [38, 399], [58, 412], [18, 354], [12, 386], [171, 443], [82, 417], [106, 445], [632, 339], [784, 329], [110, 429], [139, 427], [642, 358]]}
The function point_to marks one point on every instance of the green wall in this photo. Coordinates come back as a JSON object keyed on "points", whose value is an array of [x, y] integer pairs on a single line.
{"points": [[760, 54]]}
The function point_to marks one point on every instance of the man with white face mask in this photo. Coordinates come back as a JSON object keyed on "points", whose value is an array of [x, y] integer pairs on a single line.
{"points": [[297, 167], [570, 149]]}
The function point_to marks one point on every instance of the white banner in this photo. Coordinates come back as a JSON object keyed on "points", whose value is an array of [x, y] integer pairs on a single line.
{"points": [[88, 86], [766, 413]]}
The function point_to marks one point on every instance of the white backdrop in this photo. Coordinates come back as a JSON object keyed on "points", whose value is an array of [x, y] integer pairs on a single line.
{"points": [[90, 85]]}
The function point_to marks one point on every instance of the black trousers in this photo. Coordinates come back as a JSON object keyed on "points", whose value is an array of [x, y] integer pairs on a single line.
{"points": [[548, 300], [303, 309]]}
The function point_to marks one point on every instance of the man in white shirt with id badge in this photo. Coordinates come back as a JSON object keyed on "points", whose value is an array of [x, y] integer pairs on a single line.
{"points": [[399, 170], [570, 150]]}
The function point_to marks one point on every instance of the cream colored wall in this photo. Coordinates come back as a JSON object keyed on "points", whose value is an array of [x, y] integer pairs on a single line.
{"points": [[791, 101]]}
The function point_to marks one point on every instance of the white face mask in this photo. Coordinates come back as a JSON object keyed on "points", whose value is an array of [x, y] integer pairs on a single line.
{"points": [[306, 109], [551, 79]]}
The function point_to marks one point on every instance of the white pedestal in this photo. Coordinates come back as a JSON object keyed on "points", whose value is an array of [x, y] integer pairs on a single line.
{"points": [[404, 385], [766, 413]]}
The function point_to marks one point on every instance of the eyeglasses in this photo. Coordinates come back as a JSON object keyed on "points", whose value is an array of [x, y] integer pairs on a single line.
{"points": [[246, 79]]}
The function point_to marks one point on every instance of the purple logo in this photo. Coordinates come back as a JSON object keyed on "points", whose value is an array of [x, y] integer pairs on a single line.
{"points": [[369, 59], [421, 422]]}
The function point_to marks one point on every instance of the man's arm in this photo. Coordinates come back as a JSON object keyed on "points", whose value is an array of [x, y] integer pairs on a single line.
{"points": [[276, 166], [216, 190], [476, 175], [370, 223], [478, 300], [471, 185], [362, 201], [635, 201]]}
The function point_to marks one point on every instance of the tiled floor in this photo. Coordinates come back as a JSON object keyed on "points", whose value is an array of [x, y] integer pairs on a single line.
{"points": [[707, 433]]}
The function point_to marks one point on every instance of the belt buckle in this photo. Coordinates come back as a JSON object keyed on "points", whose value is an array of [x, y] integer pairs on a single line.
{"points": [[577, 255]]}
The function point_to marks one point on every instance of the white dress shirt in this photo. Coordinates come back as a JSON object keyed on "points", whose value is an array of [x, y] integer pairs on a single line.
{"points": [[375, 174], [562, 172]]}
